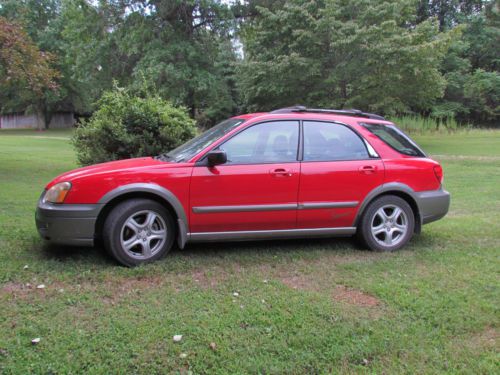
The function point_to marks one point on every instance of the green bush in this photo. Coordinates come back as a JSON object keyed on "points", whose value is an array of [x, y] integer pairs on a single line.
{"points": [[127, 126]]}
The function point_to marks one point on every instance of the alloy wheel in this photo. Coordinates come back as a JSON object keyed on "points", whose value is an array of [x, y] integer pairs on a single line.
{"points": [[143, 234], [389, 225]]}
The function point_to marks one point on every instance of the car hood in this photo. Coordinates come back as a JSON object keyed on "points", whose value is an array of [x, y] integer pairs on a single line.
{"points": [[112, 167]]}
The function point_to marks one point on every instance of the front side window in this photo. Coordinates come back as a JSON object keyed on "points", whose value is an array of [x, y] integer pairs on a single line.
{"points": [[395, 138], [269, 142], [325, 141], [194, 146]]}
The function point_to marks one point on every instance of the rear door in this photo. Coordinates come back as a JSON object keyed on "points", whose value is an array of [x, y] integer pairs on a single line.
{"points": [[256, 189], [337, 172]]}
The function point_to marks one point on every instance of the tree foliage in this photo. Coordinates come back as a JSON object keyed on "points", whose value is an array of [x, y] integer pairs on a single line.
{"points": [[339, 53], [126, 125], [471, 70], [218, 58], [25, 71]]}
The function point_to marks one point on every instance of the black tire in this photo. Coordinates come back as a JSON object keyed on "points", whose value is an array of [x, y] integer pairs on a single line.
{"points": [[390, 229], [115, 232]]}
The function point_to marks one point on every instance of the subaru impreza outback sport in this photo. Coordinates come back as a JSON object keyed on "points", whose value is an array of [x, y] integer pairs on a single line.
{"points": [[291, 173]]}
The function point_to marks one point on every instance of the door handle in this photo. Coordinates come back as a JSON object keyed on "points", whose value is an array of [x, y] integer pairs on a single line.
{"points": [[368, 169], [281, 172]]}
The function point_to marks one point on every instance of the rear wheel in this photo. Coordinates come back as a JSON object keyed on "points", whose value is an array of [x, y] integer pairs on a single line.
{"points": [[138, 231], [387, 224]]}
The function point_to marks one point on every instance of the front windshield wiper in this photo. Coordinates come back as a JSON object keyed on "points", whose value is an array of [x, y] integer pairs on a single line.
{"points": [[163, 157]]}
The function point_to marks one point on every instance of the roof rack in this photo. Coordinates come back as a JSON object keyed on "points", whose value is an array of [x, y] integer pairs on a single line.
{"points": [[343, 112]]}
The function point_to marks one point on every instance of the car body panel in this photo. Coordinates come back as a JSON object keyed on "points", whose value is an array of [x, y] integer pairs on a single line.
{"points": [[245, 187], [415, 172], [335, 182], [91, 184]]}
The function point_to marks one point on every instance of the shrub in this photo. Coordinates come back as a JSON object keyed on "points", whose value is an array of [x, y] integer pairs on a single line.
{"points": [[420, 125], [127, 126]]}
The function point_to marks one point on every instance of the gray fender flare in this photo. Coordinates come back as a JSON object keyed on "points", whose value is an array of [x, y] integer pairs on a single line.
{"points": [[392, 186], [160, 191]]}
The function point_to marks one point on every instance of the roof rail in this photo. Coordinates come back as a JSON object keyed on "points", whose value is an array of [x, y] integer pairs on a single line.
{"points": [[343, 112]]}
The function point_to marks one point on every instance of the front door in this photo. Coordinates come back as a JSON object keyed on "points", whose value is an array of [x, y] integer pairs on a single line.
{"points": [[337, 173], [256, 189]]}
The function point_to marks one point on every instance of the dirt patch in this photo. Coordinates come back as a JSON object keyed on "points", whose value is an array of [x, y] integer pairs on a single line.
{"points": [[20, 290], [354, 297], [116, 290], [300, 282], [208, 280], [488, 338], [15, 289]]}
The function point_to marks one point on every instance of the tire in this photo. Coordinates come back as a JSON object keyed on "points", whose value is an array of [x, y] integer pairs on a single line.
{"points": [[138, 231], [387, 224]]}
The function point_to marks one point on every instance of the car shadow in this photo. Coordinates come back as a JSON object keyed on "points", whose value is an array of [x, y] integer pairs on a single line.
{"points": [[268, 247], [216, 250], [76, 254], [251, 252]]}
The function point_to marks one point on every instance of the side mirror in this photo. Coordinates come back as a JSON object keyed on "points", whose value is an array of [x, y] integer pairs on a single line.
{"points": [[216, 157]]}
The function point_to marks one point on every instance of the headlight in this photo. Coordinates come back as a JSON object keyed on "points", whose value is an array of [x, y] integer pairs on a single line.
{"points": [[57, 193]]}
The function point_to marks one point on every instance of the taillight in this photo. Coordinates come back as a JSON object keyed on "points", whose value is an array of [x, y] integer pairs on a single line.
{"points": [[438, 172]]}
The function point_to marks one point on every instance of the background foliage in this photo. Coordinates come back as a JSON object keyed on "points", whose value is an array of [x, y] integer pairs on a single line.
{"points": [[217, 58], [26, 77], [127, 126]]}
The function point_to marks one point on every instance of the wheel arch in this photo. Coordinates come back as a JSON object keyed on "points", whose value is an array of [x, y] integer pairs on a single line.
{"points": [[398, 189], [149, 191]]}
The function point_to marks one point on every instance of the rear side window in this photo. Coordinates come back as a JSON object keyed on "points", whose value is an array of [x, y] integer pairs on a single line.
{"points": [[325, 141], [395, 138]]}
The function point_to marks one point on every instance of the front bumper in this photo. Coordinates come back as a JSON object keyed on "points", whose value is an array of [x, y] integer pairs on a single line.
{"points": [[67, 224], [433, 204]]}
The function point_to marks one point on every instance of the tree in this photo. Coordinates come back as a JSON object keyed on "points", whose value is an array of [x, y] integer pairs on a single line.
{"points": [[449, 13], [26, 76], [87, 44], [41, 20], [482, 94], [339, 53], [184, 47], [471, 69]]}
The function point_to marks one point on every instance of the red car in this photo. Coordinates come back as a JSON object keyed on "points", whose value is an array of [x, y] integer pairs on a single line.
{"points": [[294, 172]]}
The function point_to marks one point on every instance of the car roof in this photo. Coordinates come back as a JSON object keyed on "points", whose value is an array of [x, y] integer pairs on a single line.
{"points": [[349, 119]]}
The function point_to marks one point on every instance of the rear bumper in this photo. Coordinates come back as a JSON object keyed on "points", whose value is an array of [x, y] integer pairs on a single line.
{"points": [[433, 204], [67, 224]]}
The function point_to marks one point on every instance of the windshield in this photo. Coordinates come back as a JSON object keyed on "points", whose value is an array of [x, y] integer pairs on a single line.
{"points": [[191, 148]]}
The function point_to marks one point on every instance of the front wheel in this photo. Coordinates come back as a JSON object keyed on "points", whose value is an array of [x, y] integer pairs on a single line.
{"points": [[387, 224], [138, 231]]}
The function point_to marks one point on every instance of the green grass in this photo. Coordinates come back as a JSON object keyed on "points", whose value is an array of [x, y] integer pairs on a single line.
{"points": [[309, 306]]}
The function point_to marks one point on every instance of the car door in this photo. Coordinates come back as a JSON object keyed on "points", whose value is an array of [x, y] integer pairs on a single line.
{"points": [[256, 189], [337, 172]]}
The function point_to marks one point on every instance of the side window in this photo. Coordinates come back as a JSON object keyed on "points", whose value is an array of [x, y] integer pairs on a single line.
{"points": [[324, 141], [395, 138], [269, 142]]}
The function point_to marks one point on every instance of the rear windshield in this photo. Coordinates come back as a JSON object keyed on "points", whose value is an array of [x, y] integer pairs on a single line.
{"points": [[395, 138]]}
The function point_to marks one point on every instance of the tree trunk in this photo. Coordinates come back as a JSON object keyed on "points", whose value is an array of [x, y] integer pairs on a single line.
{"points": [[343, 93], [47, 115], [43, 116], [40, 118]]}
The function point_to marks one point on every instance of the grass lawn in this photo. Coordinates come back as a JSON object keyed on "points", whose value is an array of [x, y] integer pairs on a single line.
{"points": [[309, 306]]}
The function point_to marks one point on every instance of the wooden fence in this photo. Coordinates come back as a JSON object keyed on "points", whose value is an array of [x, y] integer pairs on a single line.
{"points": [[60, 120]]}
